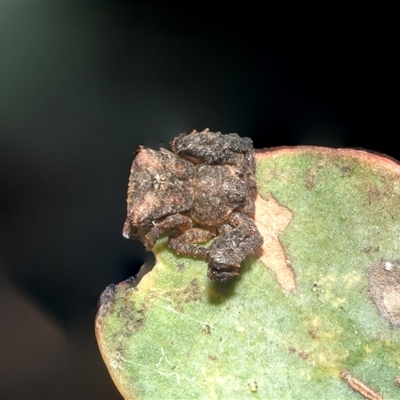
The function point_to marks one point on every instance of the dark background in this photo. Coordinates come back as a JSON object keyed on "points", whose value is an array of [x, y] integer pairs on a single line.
{"points": [[82, 84]]}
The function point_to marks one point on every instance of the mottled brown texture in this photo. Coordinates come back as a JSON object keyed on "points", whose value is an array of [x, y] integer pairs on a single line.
{"points": [[215, 148], [160, 184], [397, 381], [205, 186], [211, 148], [384, 290]]}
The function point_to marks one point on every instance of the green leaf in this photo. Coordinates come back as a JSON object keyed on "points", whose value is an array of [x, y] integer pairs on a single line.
{"points": [[315, 314]]}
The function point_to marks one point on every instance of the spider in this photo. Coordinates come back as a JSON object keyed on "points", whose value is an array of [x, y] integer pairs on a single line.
{"points": [[204, 188]]}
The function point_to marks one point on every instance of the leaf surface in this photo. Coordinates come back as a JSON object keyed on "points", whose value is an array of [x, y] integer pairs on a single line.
{"points": [[314, 314]]}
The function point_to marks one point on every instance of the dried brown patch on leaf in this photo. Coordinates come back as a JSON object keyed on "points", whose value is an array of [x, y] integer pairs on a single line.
{"points": [[272, 219], [314, 174], [106, 301], [182, 296], [132, 316], [110, 303], [310, 180], [384, 290]]}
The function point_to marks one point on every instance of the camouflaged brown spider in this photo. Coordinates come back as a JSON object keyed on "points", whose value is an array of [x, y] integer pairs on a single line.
{"points": [[204, 188]]}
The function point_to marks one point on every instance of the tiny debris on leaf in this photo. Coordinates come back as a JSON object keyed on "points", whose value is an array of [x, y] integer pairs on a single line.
{"points": [[360, 387]]}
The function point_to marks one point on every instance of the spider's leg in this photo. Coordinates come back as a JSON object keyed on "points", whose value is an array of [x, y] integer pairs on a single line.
{"points": [[185, 243], [236, 242], [172, 221]]}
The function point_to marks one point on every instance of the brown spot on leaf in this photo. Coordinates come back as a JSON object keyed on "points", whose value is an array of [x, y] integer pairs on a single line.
{"points": [[193, 292], [313, 334], [384, 290], [106, 300], [310, 180], [182, 295], [181, 266], [134, 317], [345, 170], [303, 355], [272, 219], [206, 329], [368, 249]]}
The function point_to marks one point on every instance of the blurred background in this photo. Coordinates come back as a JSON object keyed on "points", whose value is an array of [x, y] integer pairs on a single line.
{"points": [[82, 84]]}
